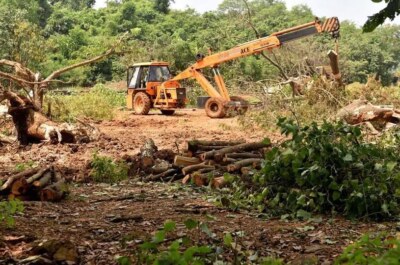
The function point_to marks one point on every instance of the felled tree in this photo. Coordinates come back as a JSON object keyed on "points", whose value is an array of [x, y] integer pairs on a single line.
{"points": [[26, 110]]}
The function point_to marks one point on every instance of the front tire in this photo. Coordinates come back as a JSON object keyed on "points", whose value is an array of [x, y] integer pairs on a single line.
{"points": [[141, 103], [215, 108], [168, 112]]}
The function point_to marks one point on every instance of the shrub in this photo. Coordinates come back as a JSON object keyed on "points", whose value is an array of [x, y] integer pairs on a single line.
{"points": [[106, 170], [371, 251], [98, 104], [331, 167], [326, 168], [8, 209]]}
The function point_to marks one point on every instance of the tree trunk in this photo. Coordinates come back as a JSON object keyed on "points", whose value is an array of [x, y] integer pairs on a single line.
{"points": [[147, 153]]}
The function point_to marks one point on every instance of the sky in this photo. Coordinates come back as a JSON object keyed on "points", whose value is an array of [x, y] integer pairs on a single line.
{"points": [[354, 10]]}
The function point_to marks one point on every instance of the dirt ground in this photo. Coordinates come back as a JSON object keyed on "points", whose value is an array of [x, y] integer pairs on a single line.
{"points": [[104, 221]]}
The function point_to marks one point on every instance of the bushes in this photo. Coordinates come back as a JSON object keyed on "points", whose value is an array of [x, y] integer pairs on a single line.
{"points": [[328, 168], [98, 104], [371, 251], [105, 170]]}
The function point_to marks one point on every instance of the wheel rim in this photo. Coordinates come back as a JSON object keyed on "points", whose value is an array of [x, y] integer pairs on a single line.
{"points": [[139, 104], [214, 107]]}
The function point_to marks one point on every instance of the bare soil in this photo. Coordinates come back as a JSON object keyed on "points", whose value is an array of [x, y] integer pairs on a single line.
{"points": [[94, 219]]}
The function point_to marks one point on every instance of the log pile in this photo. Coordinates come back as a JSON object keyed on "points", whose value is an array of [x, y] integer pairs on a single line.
{"points": [[44, 184], [205, 162]]}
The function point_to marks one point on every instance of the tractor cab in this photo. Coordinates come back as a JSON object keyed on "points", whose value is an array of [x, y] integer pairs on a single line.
{"points": [[150, 86], [146, 76]]}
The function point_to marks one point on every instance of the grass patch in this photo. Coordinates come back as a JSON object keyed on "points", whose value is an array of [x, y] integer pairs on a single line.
{"points": [[98, 104], [7, 211], [106, 170]]}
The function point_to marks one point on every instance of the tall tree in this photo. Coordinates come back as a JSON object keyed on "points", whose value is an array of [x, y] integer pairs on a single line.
{"points": [[75, 4], [162, 5], [391, 10]]}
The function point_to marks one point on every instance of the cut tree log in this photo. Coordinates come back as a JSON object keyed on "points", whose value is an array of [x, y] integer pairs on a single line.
{"points": [[189, 169], [160, 167], [361, 111], [218, 183], [246, 171], [38, 175], [55, 192], [228, 160], [147, 154], [205, 170], [186, 179], [243, 155], [334, 63], [183, 161], [194, 145], [19, 187], [199, 179], [219, 155], [203, 148], [10, 180], [255, 162], [43, 181], [167, 173]]}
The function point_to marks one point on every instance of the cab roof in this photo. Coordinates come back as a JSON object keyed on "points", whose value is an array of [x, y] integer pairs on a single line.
{"points": [[151, 63]]}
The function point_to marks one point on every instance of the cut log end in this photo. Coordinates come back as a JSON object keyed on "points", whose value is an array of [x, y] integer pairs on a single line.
{"points": [[19, 187]]}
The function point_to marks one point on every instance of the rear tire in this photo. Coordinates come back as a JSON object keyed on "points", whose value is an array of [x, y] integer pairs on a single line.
{"points": [[168, 112], [141, 103], [215, 108]]}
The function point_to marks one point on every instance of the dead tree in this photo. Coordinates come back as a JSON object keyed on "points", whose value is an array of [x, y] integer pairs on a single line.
{"points": [[26, 110]]}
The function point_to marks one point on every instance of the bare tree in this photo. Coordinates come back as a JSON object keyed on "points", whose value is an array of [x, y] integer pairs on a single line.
{"points": [[26, 110]]}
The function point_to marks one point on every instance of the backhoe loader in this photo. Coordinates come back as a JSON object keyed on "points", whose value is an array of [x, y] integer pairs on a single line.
{"points": [[151, 85]]}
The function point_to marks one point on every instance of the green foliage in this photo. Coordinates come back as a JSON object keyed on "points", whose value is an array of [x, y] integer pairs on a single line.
{"points": [[48, 35], [98, 104], [8, 209], [330, 167], [327, 168], [106, 170], [153, 252], [197, 246], [24, 166], [391, 10], [371, 251]]}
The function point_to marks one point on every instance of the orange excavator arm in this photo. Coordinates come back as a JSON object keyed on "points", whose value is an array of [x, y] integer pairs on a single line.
{"points": [[254, 47]]}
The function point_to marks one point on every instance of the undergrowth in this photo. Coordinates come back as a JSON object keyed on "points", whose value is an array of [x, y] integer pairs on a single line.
{"points": [[7, 211], [198, 244], [370, 250], [106, 170], [327, 168], [99, 103]]}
